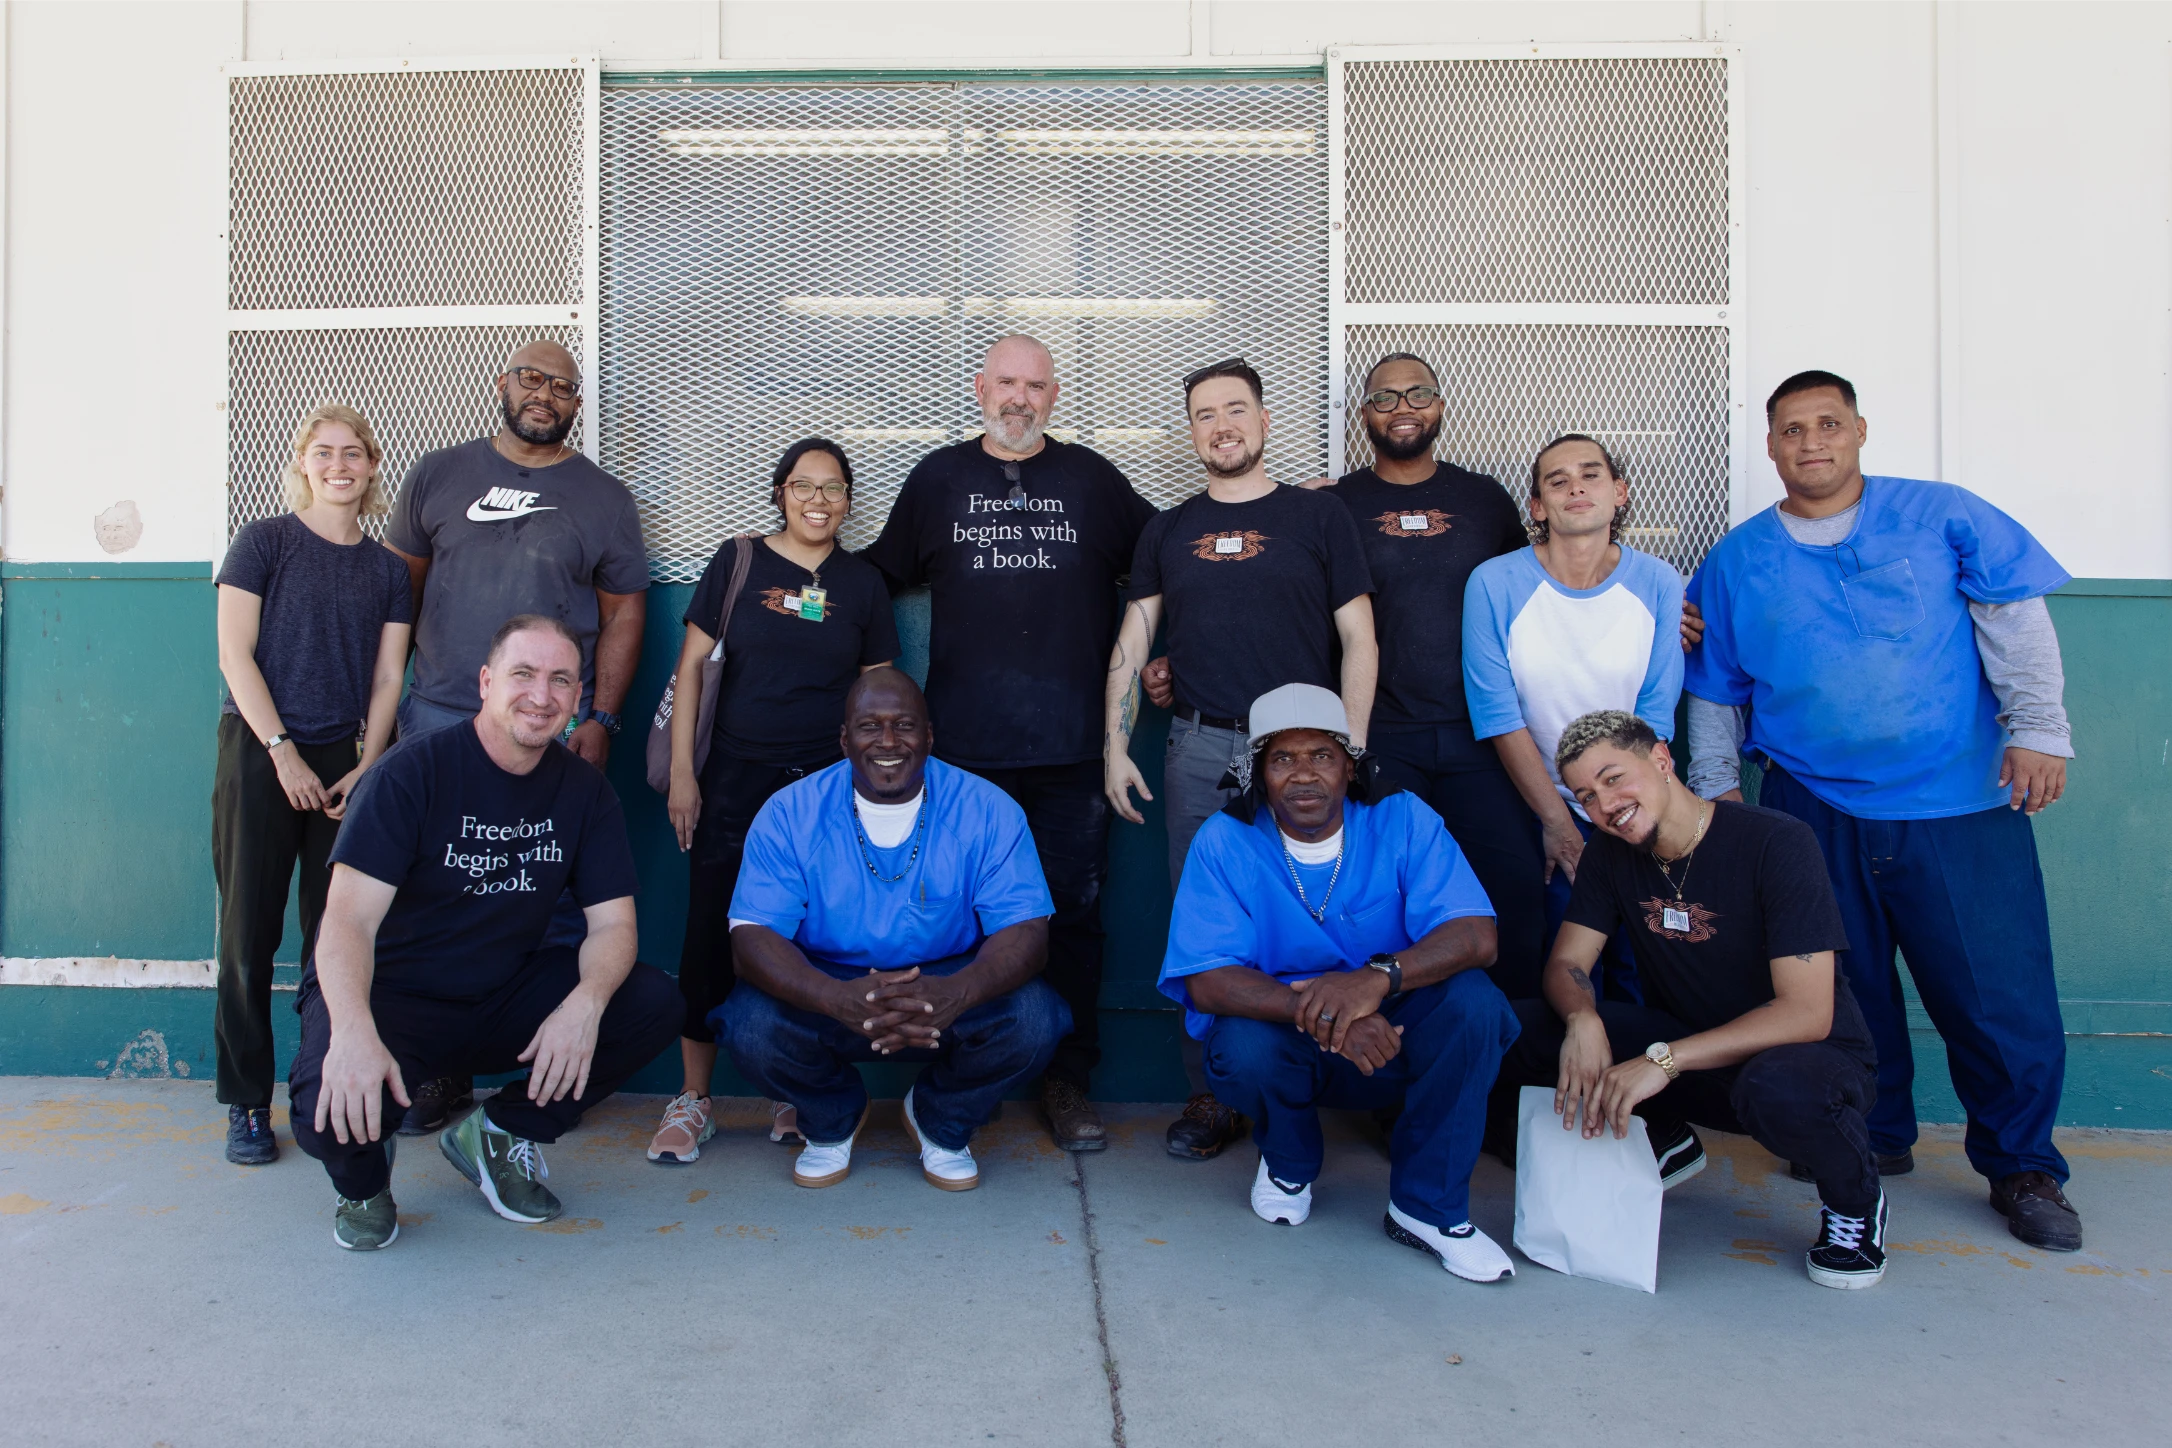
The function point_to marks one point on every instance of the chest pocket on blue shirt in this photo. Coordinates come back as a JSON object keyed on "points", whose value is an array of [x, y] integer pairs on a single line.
{"points": [[1373, 914], [1883, 601]]}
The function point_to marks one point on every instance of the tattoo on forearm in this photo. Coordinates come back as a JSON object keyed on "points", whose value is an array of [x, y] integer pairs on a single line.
{"points": [[1128, 713], [1581, 979]]}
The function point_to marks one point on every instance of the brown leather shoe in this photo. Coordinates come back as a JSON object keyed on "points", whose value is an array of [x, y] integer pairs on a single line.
{"points": [[1071, 1118], [1204, 1129], [2037, 1212]]}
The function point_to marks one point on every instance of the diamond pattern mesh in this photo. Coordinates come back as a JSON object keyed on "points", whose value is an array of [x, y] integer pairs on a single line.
{"points": [[405, 189], [1656, 396], [1537, 181], [787, 260], [422, 388]]}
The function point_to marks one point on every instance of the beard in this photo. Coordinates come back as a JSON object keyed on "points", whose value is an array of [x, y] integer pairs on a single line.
{"points": [[1244, 464], [1015, 429], [528, 432], [1418, 446]]}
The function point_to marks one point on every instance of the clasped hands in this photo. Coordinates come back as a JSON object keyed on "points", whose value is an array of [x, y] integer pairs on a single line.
{"points": [[1607, 1093], [900, 1010], [1341, 1011]]}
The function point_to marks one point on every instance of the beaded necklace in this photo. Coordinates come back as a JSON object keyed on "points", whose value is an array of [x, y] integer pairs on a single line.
{"points": [[867, 855]]}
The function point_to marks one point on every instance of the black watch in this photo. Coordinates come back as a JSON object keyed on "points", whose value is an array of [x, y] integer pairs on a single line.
{"points": [[606, 718], [1392, 968]]}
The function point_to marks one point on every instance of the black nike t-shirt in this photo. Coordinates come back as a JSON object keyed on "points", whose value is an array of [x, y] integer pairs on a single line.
{"points": [[1754, 890], [1023, 599], [1250, 592], [1421, 542], [782, 697], [478, 856]]}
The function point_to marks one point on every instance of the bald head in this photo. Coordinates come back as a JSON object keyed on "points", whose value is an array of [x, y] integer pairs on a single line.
{"points": [[1016, 387], [548, 355], [886, 735], [539, 393]]}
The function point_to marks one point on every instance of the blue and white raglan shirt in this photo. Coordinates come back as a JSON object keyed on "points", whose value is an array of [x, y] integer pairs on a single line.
{"points": [[1538, 656]]}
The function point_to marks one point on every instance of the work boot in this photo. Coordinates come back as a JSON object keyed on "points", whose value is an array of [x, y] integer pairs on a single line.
{"points": [[249, 1139], [1072, 1119], [2037, 1212], [1204, 1129]]}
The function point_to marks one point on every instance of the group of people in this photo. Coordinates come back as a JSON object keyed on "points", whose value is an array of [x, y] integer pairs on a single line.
{"points": [[1431, 837]]}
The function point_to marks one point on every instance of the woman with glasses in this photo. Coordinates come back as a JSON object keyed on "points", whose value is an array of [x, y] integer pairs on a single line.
{"points": [[809, 619], [313, 624]]}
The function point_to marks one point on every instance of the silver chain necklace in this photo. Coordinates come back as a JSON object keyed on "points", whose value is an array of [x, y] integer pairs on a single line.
{"points": [[1290, 861]]}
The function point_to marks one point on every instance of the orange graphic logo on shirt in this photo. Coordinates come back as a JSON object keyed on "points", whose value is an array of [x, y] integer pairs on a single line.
{"points": [[1436, 523], [773, 599], [1230, 547], [1700, 929]]}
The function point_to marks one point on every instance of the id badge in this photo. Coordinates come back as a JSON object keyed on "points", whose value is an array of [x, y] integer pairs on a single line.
{"points": [[812, 602], [1229, 545], [1675, 918], [1416, 523]]}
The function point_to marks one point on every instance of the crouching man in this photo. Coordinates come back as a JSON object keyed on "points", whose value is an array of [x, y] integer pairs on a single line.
{"points": [[890, 906], [1329, 947], [429, 961], [1748, 1025]]}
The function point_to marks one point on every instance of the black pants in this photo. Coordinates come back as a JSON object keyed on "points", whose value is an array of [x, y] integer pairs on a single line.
{"points": [[430, 1037], [256, 840], [1803, 1103], [1069, 816], [733, 791], [1461, 777]]}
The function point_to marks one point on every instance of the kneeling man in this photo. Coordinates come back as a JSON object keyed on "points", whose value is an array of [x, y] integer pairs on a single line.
{"points": [[431, 960], [890, 906], [1748, 1025], [1329, 945]]}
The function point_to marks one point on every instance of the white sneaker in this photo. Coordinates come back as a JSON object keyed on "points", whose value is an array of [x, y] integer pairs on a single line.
{"points": [[1274, 1201], [1464, 1250], [953, 1171], [826, 1166]]}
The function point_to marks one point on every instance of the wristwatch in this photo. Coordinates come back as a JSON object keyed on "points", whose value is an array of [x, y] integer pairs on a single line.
{"points": [[276, 740], [1660, 1054], [1389, 966], [606, 718]]}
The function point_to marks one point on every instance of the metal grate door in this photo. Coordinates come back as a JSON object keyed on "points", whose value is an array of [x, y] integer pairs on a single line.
{"points": [[394, 230], [785, 260], [1559, 231]]}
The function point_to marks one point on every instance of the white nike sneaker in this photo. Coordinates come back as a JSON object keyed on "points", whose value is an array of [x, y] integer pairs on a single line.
{"points": [[1276, 1201], [1464, 1250], [826, 1166], [953, 1171]]}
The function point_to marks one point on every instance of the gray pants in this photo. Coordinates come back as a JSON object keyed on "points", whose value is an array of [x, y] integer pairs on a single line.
{"points": [[1198, 756]]}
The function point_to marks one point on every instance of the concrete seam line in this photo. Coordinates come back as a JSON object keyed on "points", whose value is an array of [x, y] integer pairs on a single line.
{"points": [[1101, 1316]]}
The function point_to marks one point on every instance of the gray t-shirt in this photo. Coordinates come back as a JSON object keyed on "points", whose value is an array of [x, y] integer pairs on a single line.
{"points": [[505, 540]]}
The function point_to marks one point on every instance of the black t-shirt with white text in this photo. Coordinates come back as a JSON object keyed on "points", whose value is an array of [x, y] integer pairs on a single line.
{"points": [[478, 856], [1023, 600], [1755, 889], [1249, 591], [782, 697], [1421, 542]]}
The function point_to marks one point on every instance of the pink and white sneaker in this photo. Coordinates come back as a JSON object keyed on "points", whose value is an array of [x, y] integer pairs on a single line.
{"points": [[687, 1124]]}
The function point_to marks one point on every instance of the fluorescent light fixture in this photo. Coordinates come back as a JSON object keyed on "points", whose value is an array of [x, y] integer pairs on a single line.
{"points": [[1063, 434], [1159, 142], [802, 141], [865, 306], [1099, 306], [1107, 435], [893, 434]]}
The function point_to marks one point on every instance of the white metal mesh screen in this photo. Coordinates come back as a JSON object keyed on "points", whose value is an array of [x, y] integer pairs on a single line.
{"points": [[1656, 396], [1537, 181], [787, 260]]}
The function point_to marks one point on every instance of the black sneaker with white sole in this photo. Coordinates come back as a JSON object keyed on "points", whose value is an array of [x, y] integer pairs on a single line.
{"points": [[1850, 1251], [1680, 1154]]}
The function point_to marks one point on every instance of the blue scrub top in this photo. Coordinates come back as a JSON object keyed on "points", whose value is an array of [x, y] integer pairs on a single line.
{"points": [[1859, 660], [1402, 878], [805, 877]]}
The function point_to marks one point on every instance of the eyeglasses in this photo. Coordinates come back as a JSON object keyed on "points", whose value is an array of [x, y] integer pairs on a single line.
{"points": [[1212, 369], [831, 492], [1387, 398], [1017, 495], [533, 379]]}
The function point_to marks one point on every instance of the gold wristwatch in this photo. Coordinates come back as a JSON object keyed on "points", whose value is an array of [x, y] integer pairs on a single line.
{"points": [[1660, 1054]]}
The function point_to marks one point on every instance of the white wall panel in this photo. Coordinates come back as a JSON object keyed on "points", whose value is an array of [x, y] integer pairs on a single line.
{"points": [[880, 33], [1268, 27], [303, 30]]}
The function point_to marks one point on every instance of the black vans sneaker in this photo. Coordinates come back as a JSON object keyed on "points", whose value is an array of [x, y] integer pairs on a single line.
{"points": [[1680, 1153], [249, 1139], [1850, 1251], [435, 1101]]}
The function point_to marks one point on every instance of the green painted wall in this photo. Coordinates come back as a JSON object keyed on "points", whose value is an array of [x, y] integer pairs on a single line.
{"points": [[108, 700]]}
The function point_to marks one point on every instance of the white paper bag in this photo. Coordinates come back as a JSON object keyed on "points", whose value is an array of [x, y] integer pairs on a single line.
{"points": [[1587, 1208]]}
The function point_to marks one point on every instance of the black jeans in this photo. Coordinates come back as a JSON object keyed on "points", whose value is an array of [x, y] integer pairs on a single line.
{"points": [[1803, 1103], [1069, 816], [1461, 777], [431, 1037], [733, 791], [256, 840]]}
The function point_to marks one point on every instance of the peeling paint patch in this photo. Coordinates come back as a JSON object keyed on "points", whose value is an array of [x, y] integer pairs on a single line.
{"points": [[119, 528], [1057, 1238], [747, 1232], [670, 1227], [415, 1219], [18, 1204], [1754, 1249], [1941, 1246], [1156, 1242], [694, 1196], [144, 1058], [871, 1234], [567, 1226]]}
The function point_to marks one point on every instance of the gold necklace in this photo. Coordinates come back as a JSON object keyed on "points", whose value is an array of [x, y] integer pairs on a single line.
{"points": [[1686, 856]]}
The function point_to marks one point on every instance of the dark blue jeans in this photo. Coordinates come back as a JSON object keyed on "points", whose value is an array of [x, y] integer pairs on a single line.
{"points": [[1963, 899], [807, 1059], [1454, 1035]]}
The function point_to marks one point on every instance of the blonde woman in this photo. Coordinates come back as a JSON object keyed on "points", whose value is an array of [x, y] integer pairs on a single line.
{"points": [[313, 626]]}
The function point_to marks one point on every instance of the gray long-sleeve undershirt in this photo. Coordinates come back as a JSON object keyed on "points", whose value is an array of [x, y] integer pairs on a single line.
{"points": [[2016, 642]]}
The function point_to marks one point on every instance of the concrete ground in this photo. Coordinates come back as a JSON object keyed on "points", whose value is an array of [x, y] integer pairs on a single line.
{"points": [[152, 1294]]}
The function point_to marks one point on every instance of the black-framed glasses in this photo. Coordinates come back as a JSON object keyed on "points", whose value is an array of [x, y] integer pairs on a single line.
{"points": [[535, 379], [805, 491], [1386, 399], [1017, 495], [1212, 369]]}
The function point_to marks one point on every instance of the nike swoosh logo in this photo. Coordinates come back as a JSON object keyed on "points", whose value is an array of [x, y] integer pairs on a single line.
{"points": [[479, 511]]}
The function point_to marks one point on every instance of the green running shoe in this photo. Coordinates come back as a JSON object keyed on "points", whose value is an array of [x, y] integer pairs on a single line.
{"points": [[367, 1226], [508, 1168]]}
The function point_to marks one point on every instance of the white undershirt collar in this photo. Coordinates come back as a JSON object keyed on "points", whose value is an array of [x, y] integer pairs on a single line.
{"points": [[1318, 853], [887, 825]]}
